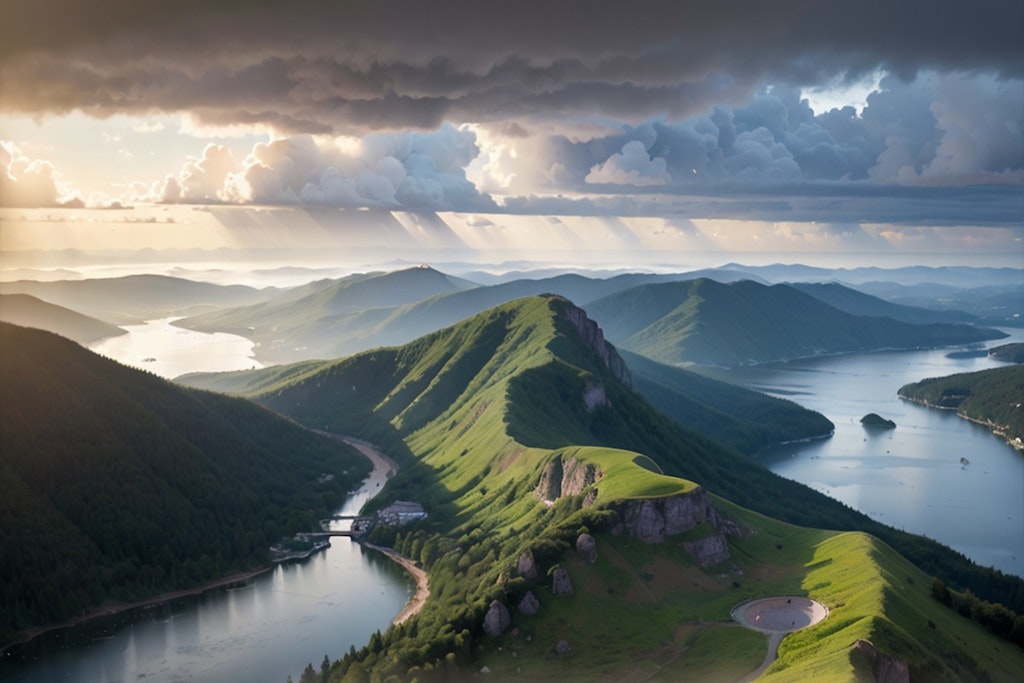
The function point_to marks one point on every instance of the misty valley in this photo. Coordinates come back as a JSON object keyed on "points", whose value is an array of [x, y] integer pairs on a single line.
{"points": [[595, 473]]}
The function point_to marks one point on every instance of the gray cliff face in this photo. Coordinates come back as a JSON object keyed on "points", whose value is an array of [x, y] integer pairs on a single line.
{"points": [[885, 668], [653, 519], [565, 478], [594, 338]]}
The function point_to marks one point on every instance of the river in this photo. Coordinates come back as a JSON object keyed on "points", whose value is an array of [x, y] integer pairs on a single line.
{"points": [[910, 477], [262, 632]]}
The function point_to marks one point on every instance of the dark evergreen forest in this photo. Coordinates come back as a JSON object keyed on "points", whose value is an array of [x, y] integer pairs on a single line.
{"points": [[118, 485]]}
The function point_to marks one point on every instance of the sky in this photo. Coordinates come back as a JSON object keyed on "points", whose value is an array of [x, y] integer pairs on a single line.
{"points": [[879, 127]]}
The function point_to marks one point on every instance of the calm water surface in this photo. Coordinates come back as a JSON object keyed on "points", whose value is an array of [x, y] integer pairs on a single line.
{"points": [[260, 633], [169, 351], [910, 477]]}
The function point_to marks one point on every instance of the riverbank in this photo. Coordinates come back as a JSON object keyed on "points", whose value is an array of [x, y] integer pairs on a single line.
{"points": [[419, 597], [383, 468], [1002, 431], [115, 608]]}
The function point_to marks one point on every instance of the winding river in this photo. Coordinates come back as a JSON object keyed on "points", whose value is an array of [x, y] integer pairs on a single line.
{"points": [[263, 631], [295, 614]]}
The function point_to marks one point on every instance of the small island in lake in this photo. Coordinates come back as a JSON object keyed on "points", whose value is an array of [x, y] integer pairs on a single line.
{"points": [[876, 420]]}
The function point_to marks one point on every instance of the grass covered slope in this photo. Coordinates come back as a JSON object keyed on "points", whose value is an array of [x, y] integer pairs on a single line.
{"points": [[118, 485], [992, 397], [515, 429], [709, 323]]}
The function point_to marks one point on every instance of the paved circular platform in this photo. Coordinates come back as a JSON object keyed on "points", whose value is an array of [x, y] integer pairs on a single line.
{"points": [[779, 615]]}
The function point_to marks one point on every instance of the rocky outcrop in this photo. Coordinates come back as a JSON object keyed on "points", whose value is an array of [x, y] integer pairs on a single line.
{"points": [[560, 583], [586, 548], [885, 668], [529, 604], [594, 396], [594, 338], [710, 550], [653, 519], [497, 620], [563, 477], [526, 566]]}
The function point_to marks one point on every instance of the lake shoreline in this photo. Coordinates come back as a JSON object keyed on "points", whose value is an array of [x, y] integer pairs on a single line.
{"points": [[114, 608], [383, 466]]}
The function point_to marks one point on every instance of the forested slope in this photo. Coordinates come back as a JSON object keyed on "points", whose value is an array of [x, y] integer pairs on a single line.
{"points": [[709, 323], [993, 397], [118, 485]]}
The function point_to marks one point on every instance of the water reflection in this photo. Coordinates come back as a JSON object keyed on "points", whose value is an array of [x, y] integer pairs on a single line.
{"points": [[911, 477]]}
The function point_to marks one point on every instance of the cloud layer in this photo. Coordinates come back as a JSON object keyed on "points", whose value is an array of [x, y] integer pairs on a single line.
{"points": [[320, 66]]}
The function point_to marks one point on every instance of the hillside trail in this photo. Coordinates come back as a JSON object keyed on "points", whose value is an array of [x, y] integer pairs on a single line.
{"points": [[773, 651]]}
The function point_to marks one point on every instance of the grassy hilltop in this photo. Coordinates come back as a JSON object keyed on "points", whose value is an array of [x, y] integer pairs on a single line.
{"points": [[526, 402]]}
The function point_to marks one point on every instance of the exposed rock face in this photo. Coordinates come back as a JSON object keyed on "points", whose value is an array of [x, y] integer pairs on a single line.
{"points": [[594, 338], [526, 566], [885, 668], [560, 583], [586, 548], [594, 395], [566, 478], [497, 620], [710, 550], [529, 604], [653, 519]]}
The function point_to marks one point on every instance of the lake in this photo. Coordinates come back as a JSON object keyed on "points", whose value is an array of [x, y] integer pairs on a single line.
{"points": [[910, 477], [168, 351], [260, 633]]}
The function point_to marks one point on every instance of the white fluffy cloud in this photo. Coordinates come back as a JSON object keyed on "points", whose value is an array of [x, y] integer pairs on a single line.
{"points": [[385, 170], [632, 166], [26, 182]]}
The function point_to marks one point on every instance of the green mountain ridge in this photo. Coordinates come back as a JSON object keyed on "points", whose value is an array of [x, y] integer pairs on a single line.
{"points": [[118, 485], [991, 397], [486, 416], [709, 323]]}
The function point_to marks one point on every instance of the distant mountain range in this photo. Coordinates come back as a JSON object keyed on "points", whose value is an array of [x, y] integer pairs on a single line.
{"points": [[28, 311], [136, 298], [332, 318], [710, 323]]}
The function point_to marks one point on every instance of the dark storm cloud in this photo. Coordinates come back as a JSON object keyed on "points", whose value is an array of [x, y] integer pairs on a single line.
{"points": [[356, 66]]}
